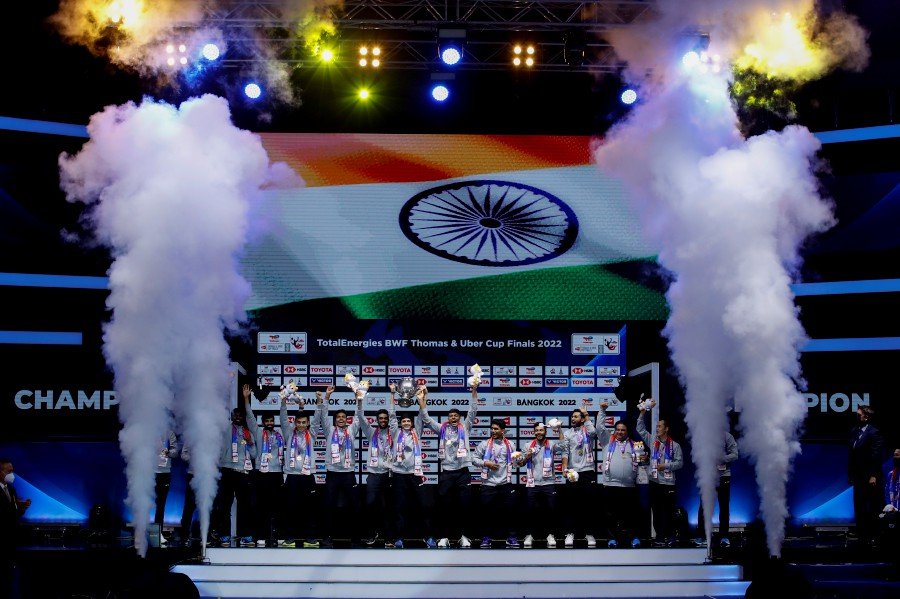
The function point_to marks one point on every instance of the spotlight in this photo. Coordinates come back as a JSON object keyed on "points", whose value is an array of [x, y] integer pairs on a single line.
{"points": [[210, 52], [517, 50], [363, 94], [440, 92], [376, 63], [363, 62], [529, 62], [183, 60], [517, 61], [182, 48], [252, 91], [690, 59], [628, 97], [450, 55], [170, 62], [327, 55], [529, 50], [170, 48], [363, 50], [376, 51]]}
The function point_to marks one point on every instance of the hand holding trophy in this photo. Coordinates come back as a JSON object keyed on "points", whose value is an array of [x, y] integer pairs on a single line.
{"points": [[406, 392]]}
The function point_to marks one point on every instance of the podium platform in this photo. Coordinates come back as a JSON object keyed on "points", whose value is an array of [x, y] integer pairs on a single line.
{"points": [[470, 573]]}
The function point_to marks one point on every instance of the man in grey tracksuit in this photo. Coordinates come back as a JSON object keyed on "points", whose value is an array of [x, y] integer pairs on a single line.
{"points": [[723, 493], [454, 493], [621, 463], [407, 483], [235, 465], [379, 505], [665, 459], [340, 463], [494, 456], [538, 457], [268, 478], [581, 495], [300, 480]]}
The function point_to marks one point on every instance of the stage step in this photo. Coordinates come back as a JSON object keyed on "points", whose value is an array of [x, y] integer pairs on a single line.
{"points": [[360, 573]]}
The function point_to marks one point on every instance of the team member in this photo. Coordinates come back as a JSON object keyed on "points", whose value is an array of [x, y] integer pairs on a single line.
{"points": [[864, 473], [723, 493], [268, 476], [235, 464], [167, 448], [494, 456], [300, 480], [340, 461], [11, 511], [540, 489], [454, 492], [621, 462], [580, 439], [665, 459], [378, 482], [408, 481]]}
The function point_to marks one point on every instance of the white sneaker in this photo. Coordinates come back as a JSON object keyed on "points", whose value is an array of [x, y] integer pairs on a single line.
{"points": [[444, 543], [261, 543], [464, 542], [527, 542], [551, 542], [592, 542], [570, 540]]}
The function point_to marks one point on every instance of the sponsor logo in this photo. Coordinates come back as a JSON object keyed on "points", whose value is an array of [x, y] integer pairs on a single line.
{"points": [[453, 382], [428, 381], [372, 369], [608, 382], [400, 370], [610, 344], [268, 369], [530, 370], [582, 371], [279, 342], [504, 382], [293, 369], [582, 382], [268, 381], [426, 370], [453, 370], [548, 382], [504, 370], [557, 370], [608, 370], [320, 381], [342, 369], [321, 369], [502, 402], [527, 382]]}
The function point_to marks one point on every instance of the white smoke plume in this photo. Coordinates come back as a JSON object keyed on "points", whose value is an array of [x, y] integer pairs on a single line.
{"points": [[171, 192], [728, 216]]}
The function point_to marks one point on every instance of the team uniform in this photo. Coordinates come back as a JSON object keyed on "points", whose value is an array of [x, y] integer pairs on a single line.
{"points": [[540, 489], [299, 483], [378, 481], [163, 470], [723, 491], [235, 465], [621, 464], [340, 467], [409, 496], [581, 495], [662, 482], [496, 490]]}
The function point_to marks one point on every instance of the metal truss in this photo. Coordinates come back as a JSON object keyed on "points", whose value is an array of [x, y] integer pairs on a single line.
{"points": [[406, 30]]}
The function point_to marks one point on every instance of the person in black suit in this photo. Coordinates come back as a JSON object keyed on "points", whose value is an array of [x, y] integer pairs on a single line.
{"points": [[11, 510], [866, 448]]}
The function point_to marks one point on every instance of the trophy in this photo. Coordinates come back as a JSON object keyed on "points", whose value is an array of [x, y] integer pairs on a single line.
{"points": [[406, 392]]}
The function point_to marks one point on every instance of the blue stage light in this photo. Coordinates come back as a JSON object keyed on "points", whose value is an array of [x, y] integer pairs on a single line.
{"points": [[252, 90], [440, 92], [210, 52], [628, 97], [450, 55]]}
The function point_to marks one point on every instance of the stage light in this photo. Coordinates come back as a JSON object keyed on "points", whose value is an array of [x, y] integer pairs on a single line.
{"points": [[690, 59], [376, 51], [451, 55], [170, 62], [170, 48], [182, 48], [440, 92], [363, 50], [363, 94], [210, 52], [252, 91], [363, 62], [517, 61], [529, 62], [327, 55], [376, 63], [183, 60], [628, 97], [517, 50], [529, 50]]}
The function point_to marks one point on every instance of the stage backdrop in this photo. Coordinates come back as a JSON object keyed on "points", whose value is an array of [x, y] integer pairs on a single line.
{"points": [[419, 256]]}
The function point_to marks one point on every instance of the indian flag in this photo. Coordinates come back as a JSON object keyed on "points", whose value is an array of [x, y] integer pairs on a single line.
{"points": [[450, 226]]}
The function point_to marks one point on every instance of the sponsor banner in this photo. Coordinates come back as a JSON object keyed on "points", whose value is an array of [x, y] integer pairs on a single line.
{"points": [[281, 343], [531, 370], [342, 369], [582, 382], [400, 371], [269, 381], [609, 371], [530, 382], [504, 381], [429, 444], [373, 370], [583, 371], [453, 382], [610, 345], [504, 371], [321, 381], [321, 369], [428, 381], [268, 369], [554, 382], [608, 382], [425, 370], [556, 370], [454, 370], [296, 369]]}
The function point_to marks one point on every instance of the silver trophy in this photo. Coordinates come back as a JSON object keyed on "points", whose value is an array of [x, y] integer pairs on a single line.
{"points": [[406, 392]]}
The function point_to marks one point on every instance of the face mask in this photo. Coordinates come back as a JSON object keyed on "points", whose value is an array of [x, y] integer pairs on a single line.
{"points": [[9, 478]]}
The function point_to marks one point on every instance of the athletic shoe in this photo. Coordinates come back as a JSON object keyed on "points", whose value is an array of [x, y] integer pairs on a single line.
{"points": [[444, 543], [570, 540], [486, 542], [248, 542], [225, 541], [635, 543], [464, 542], [398, 544], [373, 540], [551, 542], [591, 541], [287, 544], [388, 545], [612, 544], [310, 544], [724, 543], [512, 542], [261, 543], [429, 542], [162, 541], [528, 542]]}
